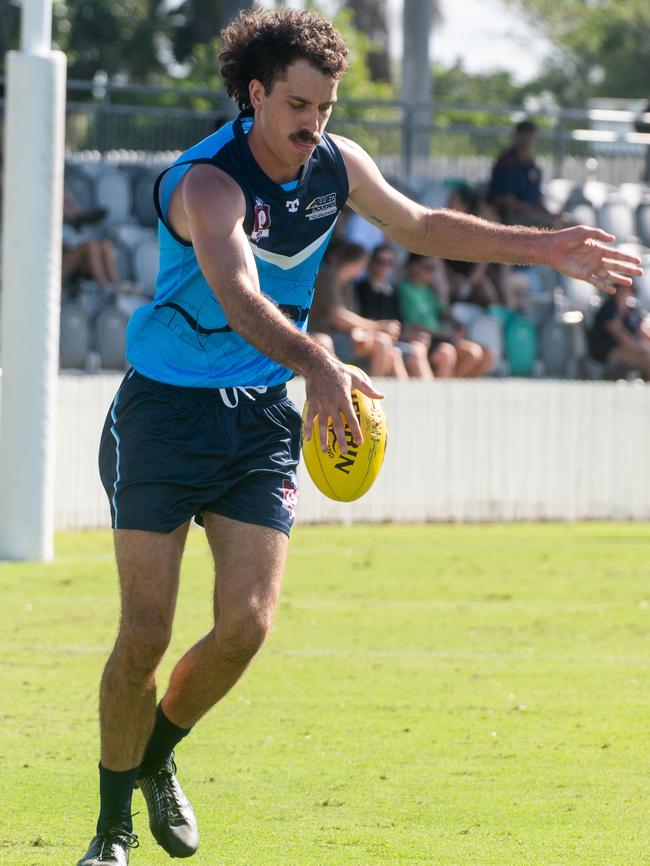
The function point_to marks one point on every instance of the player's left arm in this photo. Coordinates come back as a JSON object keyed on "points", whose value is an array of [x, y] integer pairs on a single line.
{"points": [[579, 251]]}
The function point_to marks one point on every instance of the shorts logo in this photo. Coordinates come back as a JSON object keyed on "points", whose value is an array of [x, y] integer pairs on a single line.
{"points": [[292, 206], [324, 205], [261, 220], [290, 496]]}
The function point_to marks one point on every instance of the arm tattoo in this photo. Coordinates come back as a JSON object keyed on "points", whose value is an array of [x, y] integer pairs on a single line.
{"points": [[378, 222]]}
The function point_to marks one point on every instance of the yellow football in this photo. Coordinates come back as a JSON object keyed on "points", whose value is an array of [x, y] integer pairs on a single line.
{"points": [[348, 476]]}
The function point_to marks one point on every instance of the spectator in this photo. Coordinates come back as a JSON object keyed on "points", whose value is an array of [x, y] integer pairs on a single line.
{"points": [[75, 215], [86, 256], [334, 323], [93, 259], [516, 183], [619, 335], [422, 312], [377, 299]]}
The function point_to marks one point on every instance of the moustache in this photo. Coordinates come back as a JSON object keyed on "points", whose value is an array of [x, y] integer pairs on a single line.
{"points": [[306, 137]]}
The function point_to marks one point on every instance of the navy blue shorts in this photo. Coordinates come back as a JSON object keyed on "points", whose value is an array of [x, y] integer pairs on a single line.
{"points": [[169, 453]]}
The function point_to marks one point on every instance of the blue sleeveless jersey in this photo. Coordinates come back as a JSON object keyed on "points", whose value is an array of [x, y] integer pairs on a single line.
{"points": [[182, 337]]}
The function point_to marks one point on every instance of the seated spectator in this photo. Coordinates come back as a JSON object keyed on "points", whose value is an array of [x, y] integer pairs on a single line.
{"points": [[92, 259], [619, 334], [77, 216], [377, 299], [516, 183], [423, 312], [334, 323], [84, 255]]}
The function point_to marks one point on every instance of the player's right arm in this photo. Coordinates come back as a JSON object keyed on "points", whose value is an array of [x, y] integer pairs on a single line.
{"points": [[209, 211]]}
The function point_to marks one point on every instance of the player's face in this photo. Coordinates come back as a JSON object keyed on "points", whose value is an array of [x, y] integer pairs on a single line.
{"points": [[291, 118]]}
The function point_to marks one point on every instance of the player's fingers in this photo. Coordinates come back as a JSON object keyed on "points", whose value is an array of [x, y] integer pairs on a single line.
{"points": [[601, 284], [621, 264], [339, 431], [323, 426], [366, 388], [621, 256], [353, 424], [618, 279], [308, 424], [599, 234]]}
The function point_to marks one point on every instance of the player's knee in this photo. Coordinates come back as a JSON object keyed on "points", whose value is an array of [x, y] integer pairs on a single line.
{"points": [[243, 635], [143, 643]]}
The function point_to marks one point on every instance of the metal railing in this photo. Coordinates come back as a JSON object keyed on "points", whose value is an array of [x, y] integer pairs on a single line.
{"points": [[411, 140]]}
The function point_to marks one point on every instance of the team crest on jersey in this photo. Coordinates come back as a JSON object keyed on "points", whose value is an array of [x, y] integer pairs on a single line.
{"points": [[323, 206], [290, 496], [261, 220]]}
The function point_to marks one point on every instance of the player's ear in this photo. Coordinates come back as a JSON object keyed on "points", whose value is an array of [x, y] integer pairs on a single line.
{"points": [[256, 92]]}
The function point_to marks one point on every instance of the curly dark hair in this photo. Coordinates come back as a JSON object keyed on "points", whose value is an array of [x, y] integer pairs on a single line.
{"points": [[262, 44]]}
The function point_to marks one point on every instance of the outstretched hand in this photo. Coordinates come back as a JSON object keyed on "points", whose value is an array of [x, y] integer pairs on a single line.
{"points": [[329, 397], [582, 252]]}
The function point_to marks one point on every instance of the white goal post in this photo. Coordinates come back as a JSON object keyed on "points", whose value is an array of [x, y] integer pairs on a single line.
{"points": [[31, 286]]}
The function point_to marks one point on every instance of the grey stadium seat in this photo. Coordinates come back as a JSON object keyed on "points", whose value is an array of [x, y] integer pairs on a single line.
{"points": [[123, 260], [143, 205], [74, 338], [113, 191], [81, 186], [581, 296], [632, 192], [465, 313], [145, 264], [110, 338], [643, 222], [584, 213], [642, 284], [597, 192], [558, 191], [615, 217], [555, 348], [487, 331]]}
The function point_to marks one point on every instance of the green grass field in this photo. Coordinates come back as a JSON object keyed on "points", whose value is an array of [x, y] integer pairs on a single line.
{"points": [[440, 696]]}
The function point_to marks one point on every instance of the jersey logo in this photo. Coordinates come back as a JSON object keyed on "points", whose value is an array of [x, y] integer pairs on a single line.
{"points": [[290, 496], [292, 206], [323, 206], [261, 220]]}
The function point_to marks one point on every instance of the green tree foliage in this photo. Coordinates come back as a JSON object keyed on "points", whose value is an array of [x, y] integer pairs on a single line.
{"points": [[601, 47], [455, 85], [125, 39]]}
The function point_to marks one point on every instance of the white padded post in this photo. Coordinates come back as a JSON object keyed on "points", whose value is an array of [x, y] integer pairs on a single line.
{"points": [[31, 286]]}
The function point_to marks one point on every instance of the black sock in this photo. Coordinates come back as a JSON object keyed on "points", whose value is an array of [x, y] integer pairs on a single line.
{"points": [[115, 793], [164, 737]]}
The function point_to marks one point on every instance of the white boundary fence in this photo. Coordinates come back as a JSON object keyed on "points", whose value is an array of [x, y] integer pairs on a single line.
{"points": [[491, 450]]}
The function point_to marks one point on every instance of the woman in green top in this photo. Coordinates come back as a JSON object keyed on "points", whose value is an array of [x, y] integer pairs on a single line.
{"points": [[423, 311]]}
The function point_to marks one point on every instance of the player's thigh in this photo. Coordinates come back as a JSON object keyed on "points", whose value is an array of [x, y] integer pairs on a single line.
{"points": [[148, 564], [249, 564]]}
